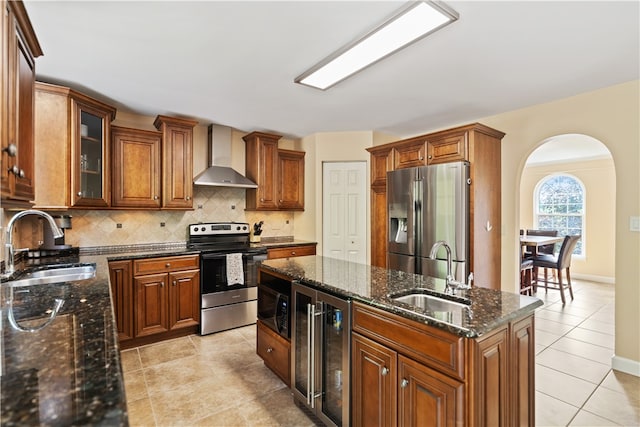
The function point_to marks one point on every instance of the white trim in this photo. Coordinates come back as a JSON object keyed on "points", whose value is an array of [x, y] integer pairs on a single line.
{"points": [[628, 366], [594, 278]]}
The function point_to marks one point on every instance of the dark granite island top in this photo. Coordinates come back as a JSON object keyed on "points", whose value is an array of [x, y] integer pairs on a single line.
{"points": [[487, 308], [68, 372]]}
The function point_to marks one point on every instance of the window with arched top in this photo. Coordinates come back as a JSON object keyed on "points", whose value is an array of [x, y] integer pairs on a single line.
{"points": [[559, 204]]}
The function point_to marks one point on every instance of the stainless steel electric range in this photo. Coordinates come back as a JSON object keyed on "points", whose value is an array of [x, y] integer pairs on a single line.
{"points": [[228, 274]]}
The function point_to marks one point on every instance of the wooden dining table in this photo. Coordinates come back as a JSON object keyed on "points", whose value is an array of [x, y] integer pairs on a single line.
{"points": [[534, 242]]}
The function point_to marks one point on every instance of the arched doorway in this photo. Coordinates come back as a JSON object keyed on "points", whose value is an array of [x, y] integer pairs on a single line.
{"points": [[588, 161]]}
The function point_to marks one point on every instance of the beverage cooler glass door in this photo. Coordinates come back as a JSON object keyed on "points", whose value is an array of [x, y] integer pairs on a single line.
{"points": [[321, 349]]}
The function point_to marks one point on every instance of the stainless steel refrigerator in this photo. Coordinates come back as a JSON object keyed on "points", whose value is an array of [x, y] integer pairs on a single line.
{"points": [[427, 204]]}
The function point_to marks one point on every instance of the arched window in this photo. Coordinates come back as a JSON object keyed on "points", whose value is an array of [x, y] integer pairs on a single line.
{"points": [[559, 205]]}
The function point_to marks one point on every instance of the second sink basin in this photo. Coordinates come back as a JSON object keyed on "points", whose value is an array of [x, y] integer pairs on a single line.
{"points": [[56, 275]]}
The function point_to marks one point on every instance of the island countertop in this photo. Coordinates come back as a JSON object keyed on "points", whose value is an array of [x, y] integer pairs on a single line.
{"points": [[486, 309]]}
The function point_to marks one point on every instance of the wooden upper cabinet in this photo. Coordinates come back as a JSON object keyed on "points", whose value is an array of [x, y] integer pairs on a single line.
{"points": [[447, 148], [177, 161], [261, 162], [381, 163], [73, 139], [19, 47], [290, 182], [278, 173], [135, 177], [90, 151], [410, 153]]}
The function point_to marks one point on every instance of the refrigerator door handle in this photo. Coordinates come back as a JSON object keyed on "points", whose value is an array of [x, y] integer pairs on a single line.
{"points": [[416, 213]]}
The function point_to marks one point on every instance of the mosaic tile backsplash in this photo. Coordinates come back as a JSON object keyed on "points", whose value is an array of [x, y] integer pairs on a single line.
{"points": [[126, 227]]}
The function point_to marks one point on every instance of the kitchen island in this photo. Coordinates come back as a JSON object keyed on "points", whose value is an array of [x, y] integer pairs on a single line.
{"points": [[464, 359]]}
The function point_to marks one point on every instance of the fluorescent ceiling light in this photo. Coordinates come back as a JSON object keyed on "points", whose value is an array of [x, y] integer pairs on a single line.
{"points": [[409, 25]]}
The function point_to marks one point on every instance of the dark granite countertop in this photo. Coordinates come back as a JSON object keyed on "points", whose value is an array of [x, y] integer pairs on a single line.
{"points": [[486, 309], [68, 372]]}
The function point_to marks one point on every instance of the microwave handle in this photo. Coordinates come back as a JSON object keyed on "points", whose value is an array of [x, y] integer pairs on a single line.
{"points": [[276, 317]]}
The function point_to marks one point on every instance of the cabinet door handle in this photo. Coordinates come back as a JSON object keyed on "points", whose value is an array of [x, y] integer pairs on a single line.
{"points": [[155, 197], [174, 283], [404, 383], [269, 350], [385, 371], [11, 149], [162, 284], [79, 193], [430, 157], [188, 197], [293, 253], [167, 265]]}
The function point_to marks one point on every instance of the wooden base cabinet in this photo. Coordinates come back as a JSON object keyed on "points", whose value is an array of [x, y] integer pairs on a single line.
{"points": [[408, 373], [291, 251], [275, 351], [155, 298]]}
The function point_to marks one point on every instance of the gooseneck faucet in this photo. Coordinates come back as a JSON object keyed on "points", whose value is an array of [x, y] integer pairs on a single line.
{"points": [[9, 265], [434, 252]]}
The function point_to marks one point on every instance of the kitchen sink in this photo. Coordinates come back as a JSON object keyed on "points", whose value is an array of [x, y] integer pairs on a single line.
{"points": [[55, 275], [444, 310]]}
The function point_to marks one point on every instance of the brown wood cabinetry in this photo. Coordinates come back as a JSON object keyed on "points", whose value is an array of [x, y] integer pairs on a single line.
{"points": [[408, 373], [156, 298], [275, 351], [278, 173], [475, 143], [290, 182], [291, 251], [135, 177], [177, 161], [73, 155], [19, 47], [122, 297], [410, 153]]}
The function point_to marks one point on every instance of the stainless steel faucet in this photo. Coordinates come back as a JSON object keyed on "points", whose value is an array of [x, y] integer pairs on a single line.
{"points": [[434, 252], [9, 266]]}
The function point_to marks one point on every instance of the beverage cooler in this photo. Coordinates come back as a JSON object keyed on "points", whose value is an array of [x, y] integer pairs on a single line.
{"points": [[320, 353]]}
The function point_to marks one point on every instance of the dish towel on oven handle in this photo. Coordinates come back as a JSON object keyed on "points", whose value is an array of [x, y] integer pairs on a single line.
{"points": [[235, 273]]}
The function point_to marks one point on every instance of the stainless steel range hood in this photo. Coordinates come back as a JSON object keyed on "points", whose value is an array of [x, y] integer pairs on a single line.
{"points": [[219, 173]]}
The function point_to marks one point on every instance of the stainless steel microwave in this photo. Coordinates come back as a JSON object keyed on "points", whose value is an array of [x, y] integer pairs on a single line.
{"points": [[273, 310]]}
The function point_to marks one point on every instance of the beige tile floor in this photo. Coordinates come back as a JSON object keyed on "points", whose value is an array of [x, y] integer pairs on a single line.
{"points": [[218, 380], [575, 385]]}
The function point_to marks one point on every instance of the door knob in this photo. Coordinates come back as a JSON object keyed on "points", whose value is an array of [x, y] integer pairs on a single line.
{"points": [[404, 383], [385, 371]]}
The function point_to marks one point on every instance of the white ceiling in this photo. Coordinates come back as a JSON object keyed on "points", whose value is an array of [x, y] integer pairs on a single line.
{"points": [[233, 63]]}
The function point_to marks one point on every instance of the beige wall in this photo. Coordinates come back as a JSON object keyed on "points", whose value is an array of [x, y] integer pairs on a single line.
{"points": [[612, 116], [330, 147], [598, 237]]}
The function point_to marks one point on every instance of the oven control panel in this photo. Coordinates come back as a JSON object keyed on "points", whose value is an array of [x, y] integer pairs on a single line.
{"points": [[218, 228]]}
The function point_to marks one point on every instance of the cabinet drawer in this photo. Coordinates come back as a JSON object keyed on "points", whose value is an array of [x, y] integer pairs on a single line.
{"points": [[165, 264], [291, 251], [275, 351], [447, 149], [433, 347]]}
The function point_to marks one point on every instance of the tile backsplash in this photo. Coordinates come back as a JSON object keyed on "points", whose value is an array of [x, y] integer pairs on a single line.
{"points": [[126, 227]]}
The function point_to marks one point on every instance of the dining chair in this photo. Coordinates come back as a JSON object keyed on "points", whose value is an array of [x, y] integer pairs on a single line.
{"points": [[559, 263], [526, 277]]}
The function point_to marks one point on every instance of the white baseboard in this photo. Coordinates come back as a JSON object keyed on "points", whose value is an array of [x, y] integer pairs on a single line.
{"points": [[594, 278], [627, 366]]}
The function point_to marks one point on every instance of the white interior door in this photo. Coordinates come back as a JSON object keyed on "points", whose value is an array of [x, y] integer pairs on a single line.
{"points": [[344, 216]]}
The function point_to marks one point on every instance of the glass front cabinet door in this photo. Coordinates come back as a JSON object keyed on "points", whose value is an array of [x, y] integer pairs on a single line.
{"points": [[90, 135]]}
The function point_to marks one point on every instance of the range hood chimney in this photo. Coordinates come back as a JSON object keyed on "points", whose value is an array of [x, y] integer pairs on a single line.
{"points": [[219, 172]]}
